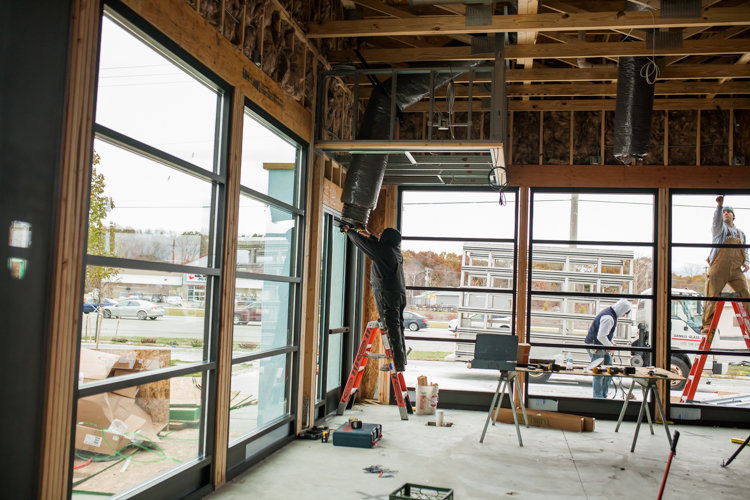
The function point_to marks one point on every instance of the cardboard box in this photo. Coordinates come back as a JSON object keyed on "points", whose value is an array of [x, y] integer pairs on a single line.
{"points": [[550, 420], [98, 412], [96, 441], [523, 353], [96, 365], [128, 392]]}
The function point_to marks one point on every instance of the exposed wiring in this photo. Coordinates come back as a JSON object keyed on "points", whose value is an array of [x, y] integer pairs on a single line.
{"points": [[651, 71], [498, 181]]}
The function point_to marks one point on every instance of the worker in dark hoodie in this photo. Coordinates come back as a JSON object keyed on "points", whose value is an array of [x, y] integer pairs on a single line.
{"points": [[388, 284]]}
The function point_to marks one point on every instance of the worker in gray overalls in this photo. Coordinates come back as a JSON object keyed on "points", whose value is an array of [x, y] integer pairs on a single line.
{"points": [[726, 265], [388, 284]]}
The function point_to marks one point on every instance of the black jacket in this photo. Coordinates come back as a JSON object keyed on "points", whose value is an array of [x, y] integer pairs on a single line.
{"points": [[385, 253]]}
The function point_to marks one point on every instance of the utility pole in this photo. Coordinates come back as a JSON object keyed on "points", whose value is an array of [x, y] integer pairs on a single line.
{"points": [[573, 219]]}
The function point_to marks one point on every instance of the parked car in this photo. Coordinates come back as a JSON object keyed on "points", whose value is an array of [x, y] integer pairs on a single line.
{"points": [[174, 300], [89, 307], [477, 321], [140, 309], [414, 321], [245, 314]]}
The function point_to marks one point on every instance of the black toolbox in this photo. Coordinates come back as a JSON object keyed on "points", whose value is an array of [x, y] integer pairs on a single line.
{"points": [[366, 437]]}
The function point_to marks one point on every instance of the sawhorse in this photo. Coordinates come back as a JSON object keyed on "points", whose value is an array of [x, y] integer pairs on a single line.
{"points": [[650, 387], [506, 380], [358, 369]]}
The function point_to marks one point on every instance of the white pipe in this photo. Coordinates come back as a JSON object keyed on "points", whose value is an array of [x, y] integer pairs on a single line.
{"points": [[583, 63]]}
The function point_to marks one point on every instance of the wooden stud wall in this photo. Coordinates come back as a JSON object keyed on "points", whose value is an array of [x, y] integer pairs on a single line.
{"points": [[572, 138], [226, 314], [663, 316], [75, 174]]}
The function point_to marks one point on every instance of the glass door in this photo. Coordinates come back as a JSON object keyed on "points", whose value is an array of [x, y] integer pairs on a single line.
{"points": [[338, 265]]}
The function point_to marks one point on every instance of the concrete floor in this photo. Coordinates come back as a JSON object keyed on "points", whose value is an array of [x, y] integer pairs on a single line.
{"points": [[551, 464]]}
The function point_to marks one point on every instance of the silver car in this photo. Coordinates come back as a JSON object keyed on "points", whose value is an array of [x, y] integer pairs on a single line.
{"points": [[140, 309]]}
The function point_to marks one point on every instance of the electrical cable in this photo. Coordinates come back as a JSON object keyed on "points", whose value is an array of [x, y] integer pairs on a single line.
{"points": [[651, 71]]}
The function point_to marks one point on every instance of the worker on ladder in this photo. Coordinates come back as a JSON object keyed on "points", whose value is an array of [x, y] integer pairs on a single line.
{"points": [[726, 265], [388, 285]]}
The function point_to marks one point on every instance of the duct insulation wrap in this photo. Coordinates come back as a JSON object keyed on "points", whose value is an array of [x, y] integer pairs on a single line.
{"points": [[633, 110], [365, 174]]}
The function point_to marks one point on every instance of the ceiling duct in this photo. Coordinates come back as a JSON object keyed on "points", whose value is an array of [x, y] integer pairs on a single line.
{"points": [[365, 174]]}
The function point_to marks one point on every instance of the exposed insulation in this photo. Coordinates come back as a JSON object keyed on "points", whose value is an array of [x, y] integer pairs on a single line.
{"points": [[525, 138], [411, 129], [211, 12], [486, 126], [683, 136], [271, 44], [233, 21], [301, 10], [715, 137], [253, 21], [290, 62], [309, 79], [655, 154], [609, 139], [587, 132], [334, 117], [556, 141], [742, 133], [191, 3]]}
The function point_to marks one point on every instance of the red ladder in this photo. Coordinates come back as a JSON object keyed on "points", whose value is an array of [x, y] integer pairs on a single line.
{"points": [[358, 369], [688, 393]]}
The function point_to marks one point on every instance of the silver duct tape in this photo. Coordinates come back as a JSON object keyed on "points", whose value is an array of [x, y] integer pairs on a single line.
{"points": [[482, 45], [478, 15], [680, 9], [664, 40]]}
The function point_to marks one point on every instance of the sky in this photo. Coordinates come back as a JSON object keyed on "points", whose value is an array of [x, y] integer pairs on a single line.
{"points": [[607, 217], [144, 95], [147, 97]]}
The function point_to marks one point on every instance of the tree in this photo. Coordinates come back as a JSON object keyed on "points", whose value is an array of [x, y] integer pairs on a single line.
{"points": [[100, 240]]}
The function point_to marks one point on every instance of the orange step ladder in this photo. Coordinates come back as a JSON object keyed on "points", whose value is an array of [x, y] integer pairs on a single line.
{"points": [[358, 369], [688, 393]]}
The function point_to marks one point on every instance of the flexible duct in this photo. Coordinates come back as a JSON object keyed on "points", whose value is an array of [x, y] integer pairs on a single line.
{"points": [[634, 106], [365, 174]]}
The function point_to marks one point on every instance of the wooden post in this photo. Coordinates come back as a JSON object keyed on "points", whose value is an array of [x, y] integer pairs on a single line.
{"points": [[666, 137], [311, 289], [660, 334], [698, 140], [311, 296], [69, 250], [226, 314], [601, 139], [522, 284], [572, 122], [731, 135], [541, 136], [510, 138]]}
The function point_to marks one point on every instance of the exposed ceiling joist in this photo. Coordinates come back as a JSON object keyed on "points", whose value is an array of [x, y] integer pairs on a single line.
{"points": [[588, 89], [400, 14], [679, 72], [594, 105], [546, 51], [455, 25]]}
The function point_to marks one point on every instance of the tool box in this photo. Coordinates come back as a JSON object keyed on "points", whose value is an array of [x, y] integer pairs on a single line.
{"points": [[365, 437]]}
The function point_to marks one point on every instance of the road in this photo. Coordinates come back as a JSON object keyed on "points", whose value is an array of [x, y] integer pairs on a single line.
{"points": [[180, 327]]}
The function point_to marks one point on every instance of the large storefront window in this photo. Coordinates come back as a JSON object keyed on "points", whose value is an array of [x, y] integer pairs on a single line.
{"points": [[456, 286], [265, 343], [587, 252], [709, 284], [152, 268]]}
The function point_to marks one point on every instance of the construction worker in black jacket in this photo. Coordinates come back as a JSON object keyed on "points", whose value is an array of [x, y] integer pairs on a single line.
{"points": [[388, 284]]}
